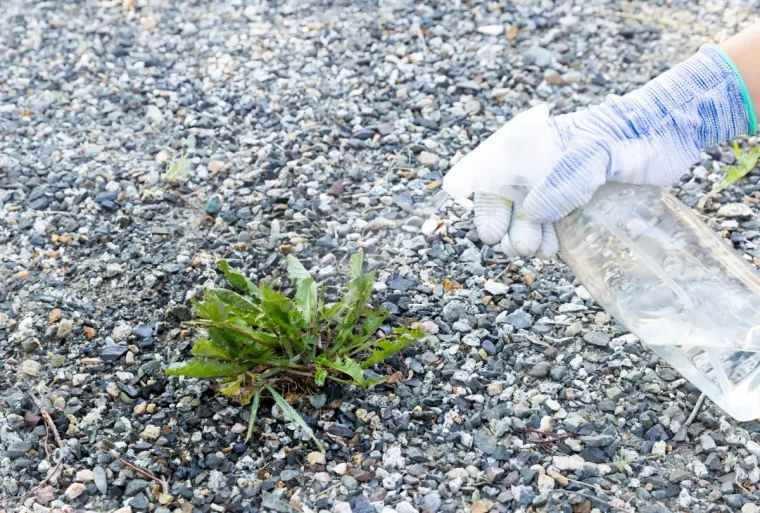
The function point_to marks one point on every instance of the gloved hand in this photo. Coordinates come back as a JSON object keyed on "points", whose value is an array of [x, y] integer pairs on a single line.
{"points": [[649, 136]]}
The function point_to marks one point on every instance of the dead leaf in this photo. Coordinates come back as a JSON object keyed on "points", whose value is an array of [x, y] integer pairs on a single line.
{"points": [[448, 285], [395, 377], [433, 185], [88, 332]]}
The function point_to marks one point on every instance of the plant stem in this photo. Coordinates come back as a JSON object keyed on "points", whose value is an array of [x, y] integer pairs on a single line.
{"points": [[254, 413]]}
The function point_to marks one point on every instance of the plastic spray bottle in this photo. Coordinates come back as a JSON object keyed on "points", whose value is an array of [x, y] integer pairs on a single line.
{"points": [[644, 257]]}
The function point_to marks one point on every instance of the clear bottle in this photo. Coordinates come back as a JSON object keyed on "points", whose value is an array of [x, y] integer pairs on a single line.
{"points": [[657, 269], [646, 258]]}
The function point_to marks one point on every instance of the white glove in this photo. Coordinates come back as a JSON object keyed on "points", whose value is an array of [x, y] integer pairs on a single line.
{"points": [[649, 136], [499, 220]]}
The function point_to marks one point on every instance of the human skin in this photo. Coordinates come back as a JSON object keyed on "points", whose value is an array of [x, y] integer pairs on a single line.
{"points": [[742, 49]]}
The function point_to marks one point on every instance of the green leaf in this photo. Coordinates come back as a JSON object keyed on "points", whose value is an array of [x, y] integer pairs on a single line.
{"points": [[277, 308], [207, 348], [238, 280], [747, 162], [296, 271], [306, 299], [235, 301], [254, 413], [357, 296], [293, 415], [320, 375], [350, 367], [232, 387], [373, 321], [207, 368], [241, 331], [355, 265], [386, 347]]}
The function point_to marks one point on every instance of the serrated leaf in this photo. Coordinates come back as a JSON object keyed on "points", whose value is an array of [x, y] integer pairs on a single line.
{"points": [[296, 271], [293, 415], [238, 280], [235, 301], [355, 265], [207, 348], [357, 296], [350, 367], [306, 299], [320, 376], [372, 321], [240, 331], [387, 347], [207, 368]]}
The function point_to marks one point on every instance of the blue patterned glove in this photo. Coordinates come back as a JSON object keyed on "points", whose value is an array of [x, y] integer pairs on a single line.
{"points": [[649, 136]]}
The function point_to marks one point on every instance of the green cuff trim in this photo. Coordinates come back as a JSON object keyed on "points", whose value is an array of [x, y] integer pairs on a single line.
{"points": [[751, 114]]}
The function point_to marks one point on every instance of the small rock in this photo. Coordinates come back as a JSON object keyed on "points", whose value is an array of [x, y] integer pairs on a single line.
{"points": [[428, 159], [496, 288], [101, 482], [471, 255], [539, 56], [30, 368], [316, 458], [495, 389], [574, 462], [679, 474], [540, 369], [707, 442], [558, 478], [572, 77], [405, 507], [520, 319], [213, 205], [597, 338], [524, 495], [75, 490], [151, 432], [432, 501], [113, 352], [735, 210], [65, 327], [491, 30], [85, 475], [341, 507], [18, 449], [659, 448], [615, 393], [135, 486]]}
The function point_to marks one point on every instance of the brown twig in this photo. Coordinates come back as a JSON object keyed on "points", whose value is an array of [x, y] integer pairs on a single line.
{"points": [[48, 419], [546, 439], [142, 471]]}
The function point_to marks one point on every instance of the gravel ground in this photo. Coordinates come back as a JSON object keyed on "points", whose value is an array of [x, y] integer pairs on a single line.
{"points": [[144, 140]]}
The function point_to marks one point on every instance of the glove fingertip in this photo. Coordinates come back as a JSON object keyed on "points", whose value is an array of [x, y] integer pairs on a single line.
{"points": [[549, 242], [492, 216], [525, 234], [507, 248]]}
